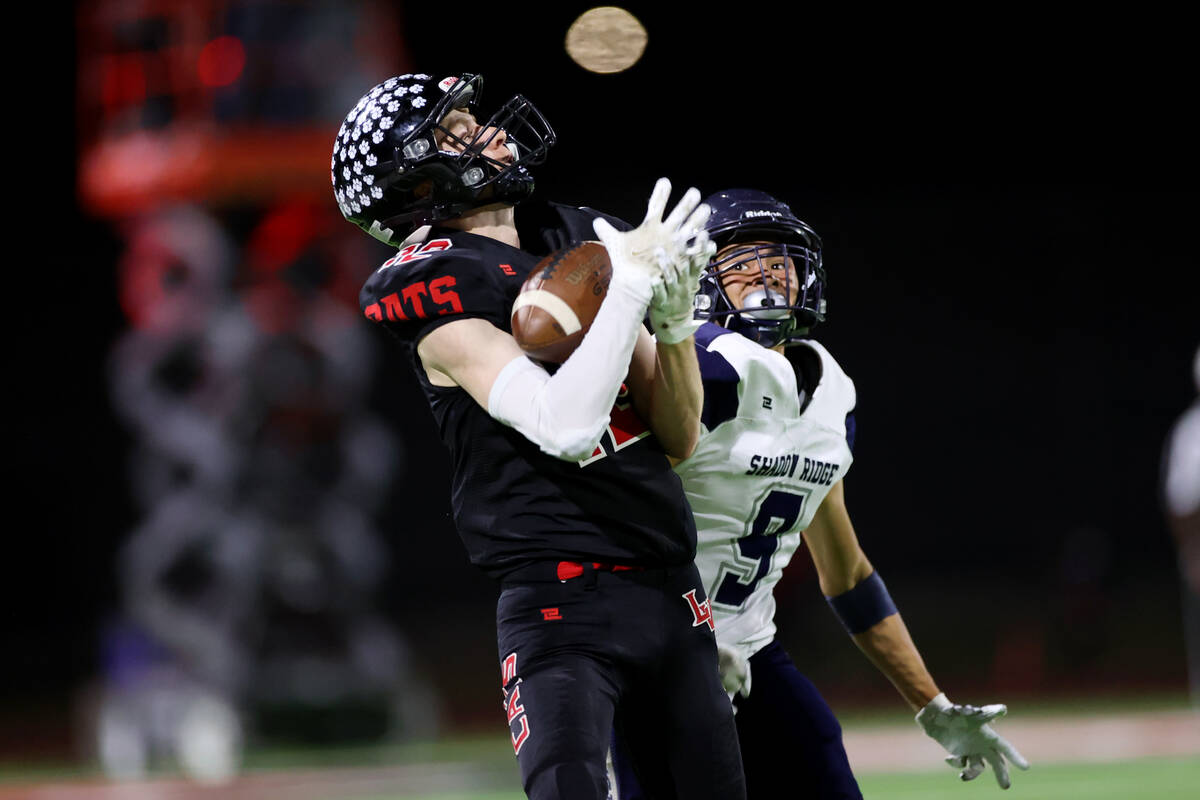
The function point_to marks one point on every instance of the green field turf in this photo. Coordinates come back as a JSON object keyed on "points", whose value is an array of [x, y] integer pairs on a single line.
{"points": [[482, 767], [1145, 779], [1142, 779]]}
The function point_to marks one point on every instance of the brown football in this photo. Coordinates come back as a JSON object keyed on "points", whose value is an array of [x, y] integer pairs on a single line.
{"points": [[559, 300]]}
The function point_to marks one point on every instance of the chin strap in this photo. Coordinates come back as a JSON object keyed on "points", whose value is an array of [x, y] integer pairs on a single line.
{"points": [[768, 335]]}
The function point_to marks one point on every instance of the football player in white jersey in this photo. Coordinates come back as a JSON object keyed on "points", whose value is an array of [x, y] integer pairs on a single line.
{"points": [[775, 446]]}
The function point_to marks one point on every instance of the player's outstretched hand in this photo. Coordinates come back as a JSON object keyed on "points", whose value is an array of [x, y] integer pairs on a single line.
{"points": [[642, 257], [966, 735], [672, 309]]}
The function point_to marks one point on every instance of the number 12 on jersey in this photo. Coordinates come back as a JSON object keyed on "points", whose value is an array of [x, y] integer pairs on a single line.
{"points": [[777, 513]]}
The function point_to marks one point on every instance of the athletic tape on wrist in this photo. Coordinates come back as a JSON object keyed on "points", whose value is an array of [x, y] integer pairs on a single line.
{"points": [[864, 605]]}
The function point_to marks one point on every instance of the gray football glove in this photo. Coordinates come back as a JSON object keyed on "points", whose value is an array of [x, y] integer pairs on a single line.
{"points": [[674, 301], [966, 735], [735, 671]]}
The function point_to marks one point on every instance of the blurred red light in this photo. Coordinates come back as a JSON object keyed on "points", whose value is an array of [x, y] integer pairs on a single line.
{"points": [[123, 82], [221, 61]]}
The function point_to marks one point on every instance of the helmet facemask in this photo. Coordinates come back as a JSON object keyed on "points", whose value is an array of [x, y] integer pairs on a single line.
{"points": [[765, 313], [755, 235], [461, 177], [528, 138]]}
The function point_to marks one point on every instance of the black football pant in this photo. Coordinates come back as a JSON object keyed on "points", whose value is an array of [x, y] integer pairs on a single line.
{"points": [[634, 650]]}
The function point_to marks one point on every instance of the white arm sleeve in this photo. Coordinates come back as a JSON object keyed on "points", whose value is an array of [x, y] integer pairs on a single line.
{"points": [[565, 414]]}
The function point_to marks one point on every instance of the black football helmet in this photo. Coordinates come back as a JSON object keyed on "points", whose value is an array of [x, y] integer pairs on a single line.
{"points": [[749, 216], [391, 175]]}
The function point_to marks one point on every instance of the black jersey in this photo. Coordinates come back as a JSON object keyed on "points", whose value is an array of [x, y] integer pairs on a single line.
{"points": [[514, 504]]}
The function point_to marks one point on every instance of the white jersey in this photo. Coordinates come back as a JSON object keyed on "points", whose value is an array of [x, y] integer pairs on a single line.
{"points": [[759, 473]]}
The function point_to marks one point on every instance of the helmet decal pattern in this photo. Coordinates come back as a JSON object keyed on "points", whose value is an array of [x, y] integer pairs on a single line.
{"points": [[390, 173], [367, 118]]}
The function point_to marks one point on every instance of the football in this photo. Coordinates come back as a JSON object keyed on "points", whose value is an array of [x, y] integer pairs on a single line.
{"points": [[559, 300]]}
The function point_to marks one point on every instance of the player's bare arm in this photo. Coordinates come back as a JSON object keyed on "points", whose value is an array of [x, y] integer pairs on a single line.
{"points": [[890, 648], [841, 563], [469, 353], [841, 567], [665, 376], [664, 382], [877, 629]]}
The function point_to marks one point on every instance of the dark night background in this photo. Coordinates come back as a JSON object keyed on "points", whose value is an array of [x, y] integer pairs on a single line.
{"points": [[1008, 208]]}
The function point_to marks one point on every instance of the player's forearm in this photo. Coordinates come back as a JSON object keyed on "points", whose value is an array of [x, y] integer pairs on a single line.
{"points": [[677, 398], [890, 648], [566, 414]]}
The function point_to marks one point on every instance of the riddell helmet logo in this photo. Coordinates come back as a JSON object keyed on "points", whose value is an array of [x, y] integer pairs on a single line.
{"points": [[446, 83], [771, 214]]}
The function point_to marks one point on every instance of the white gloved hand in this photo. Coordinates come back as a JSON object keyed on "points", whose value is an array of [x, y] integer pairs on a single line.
{"points": [[641, 257], [735, 671], [672, 309], [964, 732]]}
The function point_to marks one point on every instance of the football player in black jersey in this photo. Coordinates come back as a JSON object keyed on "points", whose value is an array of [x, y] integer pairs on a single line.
{"points": [[562, 487]]}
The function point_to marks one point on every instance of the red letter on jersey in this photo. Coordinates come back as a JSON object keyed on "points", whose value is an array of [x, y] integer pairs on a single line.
{"points": [[443, 297], [624, 428], [412, 295], [391, 305], [701, 611]]}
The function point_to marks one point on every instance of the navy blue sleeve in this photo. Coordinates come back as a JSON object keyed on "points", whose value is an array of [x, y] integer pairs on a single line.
{"points": [[719, 377], [851, 429]]}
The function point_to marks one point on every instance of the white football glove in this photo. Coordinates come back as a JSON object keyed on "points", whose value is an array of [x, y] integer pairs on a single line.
{"points": [[964, 732], [672, 307], [641, 257], [735, 671]]}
